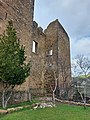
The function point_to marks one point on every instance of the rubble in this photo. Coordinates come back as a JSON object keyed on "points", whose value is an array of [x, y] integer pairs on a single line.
{"points": [[42, 105]]}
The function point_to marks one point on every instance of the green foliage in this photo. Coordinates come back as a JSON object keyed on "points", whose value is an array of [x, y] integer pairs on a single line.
{"points": [[13, 69]]}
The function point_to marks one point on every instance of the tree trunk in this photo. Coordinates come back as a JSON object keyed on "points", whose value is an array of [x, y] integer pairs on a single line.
{"points": [[5, 99], [84, 99], [53, 97], [29, 95]]}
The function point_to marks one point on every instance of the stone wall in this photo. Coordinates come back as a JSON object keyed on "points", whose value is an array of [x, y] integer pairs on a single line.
{"points": [[21, 13], [51, 44], [17, 97], [64, 52], [38, 58], [57, 40]]}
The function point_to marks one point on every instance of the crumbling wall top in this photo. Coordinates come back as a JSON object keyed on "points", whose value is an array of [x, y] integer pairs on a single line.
{"points": [[56, 25], [37, 28]]}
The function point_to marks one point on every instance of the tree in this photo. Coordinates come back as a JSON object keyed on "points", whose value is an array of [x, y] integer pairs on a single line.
{"points": [[81, 67], [53, 85], [13, 67], [83, 63], [51, 82]]}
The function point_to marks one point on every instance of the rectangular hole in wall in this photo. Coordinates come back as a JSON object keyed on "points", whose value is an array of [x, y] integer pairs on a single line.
{"points": [[34, 46], [50, 52]]}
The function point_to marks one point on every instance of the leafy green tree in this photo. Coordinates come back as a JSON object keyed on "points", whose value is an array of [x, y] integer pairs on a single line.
{"points": [[13, 66]]}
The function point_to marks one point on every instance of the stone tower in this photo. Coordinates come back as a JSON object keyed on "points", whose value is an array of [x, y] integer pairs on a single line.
{"points": [[58, 55], [21, 13]]}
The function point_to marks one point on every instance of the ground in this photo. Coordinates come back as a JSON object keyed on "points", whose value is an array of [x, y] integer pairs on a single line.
{"points": [[60, 112]]}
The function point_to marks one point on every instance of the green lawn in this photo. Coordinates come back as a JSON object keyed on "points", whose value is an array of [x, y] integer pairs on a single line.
{"points": [[61, 112]]}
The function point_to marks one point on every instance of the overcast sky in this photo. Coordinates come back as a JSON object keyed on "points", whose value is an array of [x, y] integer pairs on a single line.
{"points": [[74, 15]]}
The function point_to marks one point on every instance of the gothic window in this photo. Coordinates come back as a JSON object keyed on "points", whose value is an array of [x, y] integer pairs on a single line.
{"points": [[34, 46]]}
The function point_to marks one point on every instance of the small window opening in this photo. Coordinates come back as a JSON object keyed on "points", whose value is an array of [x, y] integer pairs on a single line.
{"points": [[50, 52], [34, 47], [5, 16]]}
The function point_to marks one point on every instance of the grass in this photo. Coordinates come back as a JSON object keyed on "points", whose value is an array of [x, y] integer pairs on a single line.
{"points": [[61, 112]]}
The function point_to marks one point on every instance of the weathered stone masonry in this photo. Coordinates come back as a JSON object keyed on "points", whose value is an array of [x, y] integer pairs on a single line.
{"points": [[21, 13], [51, 44]]}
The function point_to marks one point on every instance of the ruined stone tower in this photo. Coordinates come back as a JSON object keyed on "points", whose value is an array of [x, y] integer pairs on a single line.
{"points": [[46, 49], [21, 13], [57, 42]]}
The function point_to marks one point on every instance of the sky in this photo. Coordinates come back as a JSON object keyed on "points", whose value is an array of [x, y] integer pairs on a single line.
{"points": [[74, 15]]}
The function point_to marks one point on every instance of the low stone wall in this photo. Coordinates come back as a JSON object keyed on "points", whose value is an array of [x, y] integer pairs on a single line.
{"points": [[10, 110], [33, 107], [17, 97], [22, 96], [72, 102]]}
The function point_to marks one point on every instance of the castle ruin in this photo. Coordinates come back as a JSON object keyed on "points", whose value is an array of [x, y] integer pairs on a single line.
{"points": [[47, 50]]}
